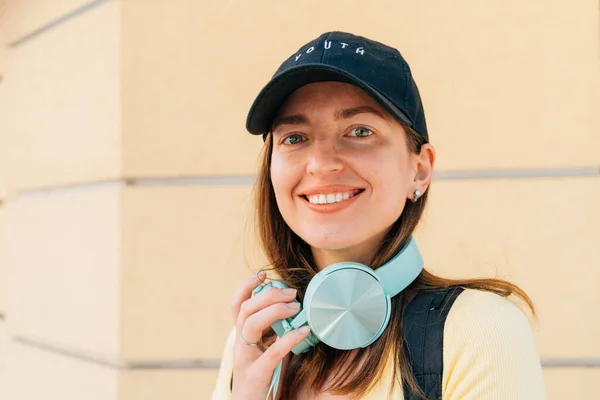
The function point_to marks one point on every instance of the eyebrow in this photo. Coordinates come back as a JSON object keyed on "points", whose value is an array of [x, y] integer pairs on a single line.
{"points": [[299, 119], [351, 112]]}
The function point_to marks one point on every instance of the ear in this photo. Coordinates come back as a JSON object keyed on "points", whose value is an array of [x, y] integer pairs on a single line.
{"points": [[423, 170]]}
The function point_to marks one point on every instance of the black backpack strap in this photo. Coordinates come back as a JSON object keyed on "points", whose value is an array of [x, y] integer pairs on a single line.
{"points": [[423, 333]]}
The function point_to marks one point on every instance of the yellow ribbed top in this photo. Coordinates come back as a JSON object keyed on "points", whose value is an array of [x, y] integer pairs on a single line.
{"points": [[489, 353]]}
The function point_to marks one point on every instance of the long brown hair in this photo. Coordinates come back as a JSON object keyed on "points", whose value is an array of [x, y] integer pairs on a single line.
{"points": [[291, 259]]}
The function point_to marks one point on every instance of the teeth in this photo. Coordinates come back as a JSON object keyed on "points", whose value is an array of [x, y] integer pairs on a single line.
{"points": [[329, 198]]}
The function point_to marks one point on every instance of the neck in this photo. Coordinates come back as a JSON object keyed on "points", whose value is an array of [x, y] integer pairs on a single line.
{"points": [[360, 253]]}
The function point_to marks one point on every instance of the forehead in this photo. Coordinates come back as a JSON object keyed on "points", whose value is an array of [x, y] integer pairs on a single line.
{"points": [[327, 95]]}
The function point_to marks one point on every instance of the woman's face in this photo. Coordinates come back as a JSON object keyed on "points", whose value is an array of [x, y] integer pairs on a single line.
{"points": [[341, 169]]}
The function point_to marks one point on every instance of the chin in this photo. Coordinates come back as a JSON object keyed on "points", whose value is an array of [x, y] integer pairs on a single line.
{"points": [[331, 241]]}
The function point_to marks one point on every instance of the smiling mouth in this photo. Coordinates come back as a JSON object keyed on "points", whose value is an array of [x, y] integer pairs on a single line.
{"points": [[332, 198]]}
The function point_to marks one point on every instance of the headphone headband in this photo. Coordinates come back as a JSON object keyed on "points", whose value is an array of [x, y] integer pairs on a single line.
{"points": [[401, 270]]}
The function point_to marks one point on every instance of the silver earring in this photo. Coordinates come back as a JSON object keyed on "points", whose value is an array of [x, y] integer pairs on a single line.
{"points": [[416, 194]]}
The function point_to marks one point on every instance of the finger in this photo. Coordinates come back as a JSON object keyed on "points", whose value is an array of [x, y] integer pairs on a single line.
{"points": [[244, 292], [254, 326], [263, 300], [252, 329], [281, 348]]}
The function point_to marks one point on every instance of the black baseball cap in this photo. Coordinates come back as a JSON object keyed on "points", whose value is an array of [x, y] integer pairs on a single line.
{"points": [[379, 70]]}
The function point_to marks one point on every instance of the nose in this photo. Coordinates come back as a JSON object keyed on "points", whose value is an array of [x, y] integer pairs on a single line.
{"points": [[324, 158]]}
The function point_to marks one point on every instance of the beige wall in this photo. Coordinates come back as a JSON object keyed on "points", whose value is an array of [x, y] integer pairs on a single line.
{"points": [[125, 175]]}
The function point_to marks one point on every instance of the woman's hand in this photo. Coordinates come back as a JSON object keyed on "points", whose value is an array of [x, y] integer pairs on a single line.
{"points": [[253, 368]]}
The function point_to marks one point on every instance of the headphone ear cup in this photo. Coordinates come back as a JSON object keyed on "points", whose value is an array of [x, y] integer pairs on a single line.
{"points": [[346, 307]]}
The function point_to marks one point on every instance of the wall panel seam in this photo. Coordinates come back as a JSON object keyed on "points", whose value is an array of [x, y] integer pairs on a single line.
{"points": [[227, 180], [56, 22], [214, 363], [203, 363]]}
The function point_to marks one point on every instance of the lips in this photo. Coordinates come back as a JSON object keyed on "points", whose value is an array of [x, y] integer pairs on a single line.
{"points": [[333, 197], [328, 189], [328, 208]]}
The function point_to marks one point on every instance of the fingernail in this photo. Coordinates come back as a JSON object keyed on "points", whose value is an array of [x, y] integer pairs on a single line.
{"points": [[294, 305], [289, 292], [261, 275], [304, 329]]}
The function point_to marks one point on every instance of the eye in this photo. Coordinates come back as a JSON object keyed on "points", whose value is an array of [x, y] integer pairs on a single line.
{"points": [[293, 139], [360, 131]]}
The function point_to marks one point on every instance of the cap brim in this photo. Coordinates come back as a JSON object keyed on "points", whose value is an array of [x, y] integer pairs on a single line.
{"points": [[272, 96]]}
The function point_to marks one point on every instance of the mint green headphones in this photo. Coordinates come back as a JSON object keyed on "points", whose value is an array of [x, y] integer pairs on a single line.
{"points": [[347, 305]]}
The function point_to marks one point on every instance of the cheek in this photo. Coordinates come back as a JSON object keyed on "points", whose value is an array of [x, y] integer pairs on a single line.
{"points": [[389, 176], [390, 183], [283, 179]]}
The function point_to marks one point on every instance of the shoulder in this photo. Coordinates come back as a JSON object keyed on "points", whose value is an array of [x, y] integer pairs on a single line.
{"points": [[485, 307], [485, 318], [489, 348]]}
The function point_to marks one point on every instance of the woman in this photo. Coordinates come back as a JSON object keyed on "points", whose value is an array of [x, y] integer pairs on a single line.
{"points": [[344, 176]]}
